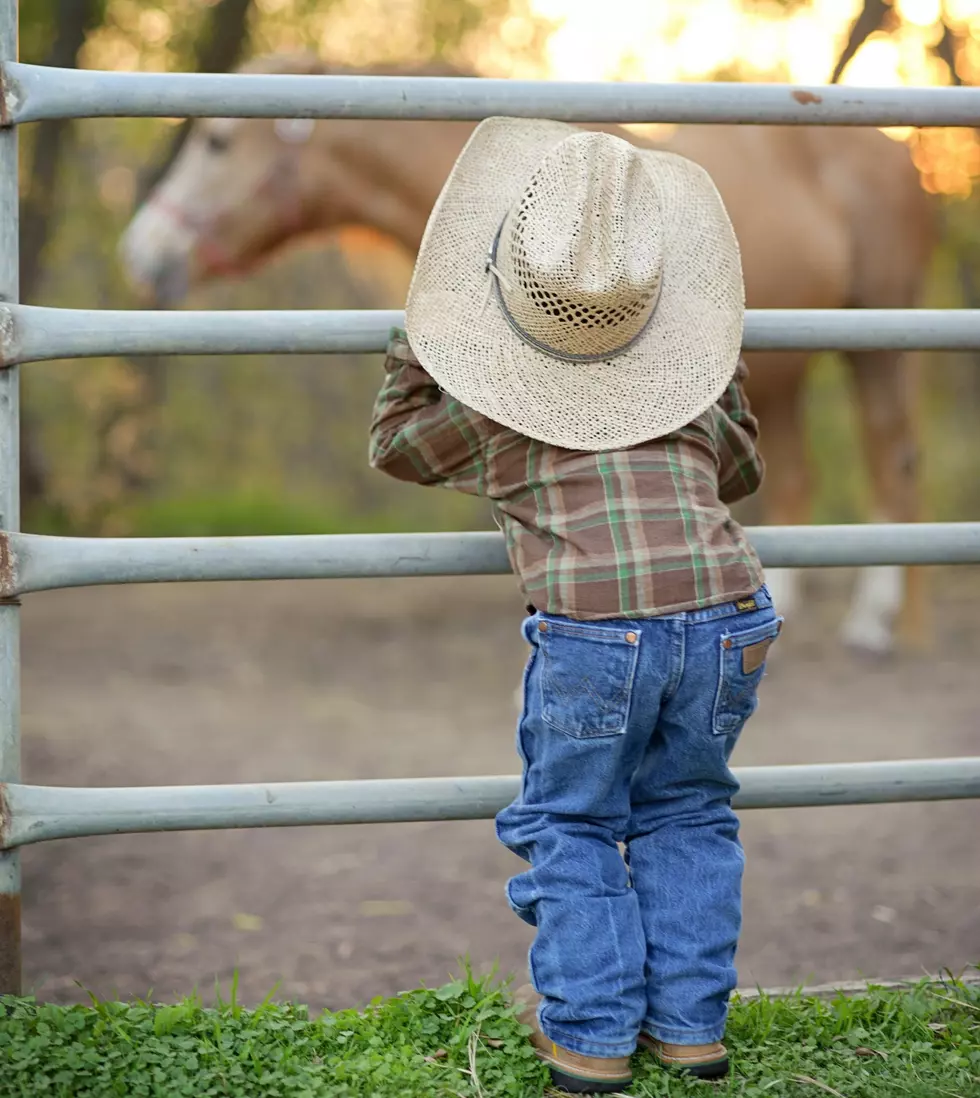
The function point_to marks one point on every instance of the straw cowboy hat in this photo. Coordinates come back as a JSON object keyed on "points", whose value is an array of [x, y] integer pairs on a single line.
{"points": [[575, 288]]}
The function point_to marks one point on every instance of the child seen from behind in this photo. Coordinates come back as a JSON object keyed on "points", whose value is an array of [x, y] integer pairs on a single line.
{"points": [[572, 354]]}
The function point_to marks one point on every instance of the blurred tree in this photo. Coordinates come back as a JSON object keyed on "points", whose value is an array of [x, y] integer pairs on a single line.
{"points": [[52, 32], [222, 44], [881, 15], [449, 22], [949, 46], [127, 431], [873, 17], [218, 47], [70, 22]]}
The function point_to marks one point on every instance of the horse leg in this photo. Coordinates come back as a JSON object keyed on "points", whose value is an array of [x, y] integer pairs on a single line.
{"points": [[887, 398], [785, 494]]}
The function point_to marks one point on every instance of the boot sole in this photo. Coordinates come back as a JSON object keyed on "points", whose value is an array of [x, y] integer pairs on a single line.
{"points": [[575, 1084], [716, 1070]]}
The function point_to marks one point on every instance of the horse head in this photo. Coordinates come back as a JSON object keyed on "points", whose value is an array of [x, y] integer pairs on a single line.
{"points": [[241, 188]]}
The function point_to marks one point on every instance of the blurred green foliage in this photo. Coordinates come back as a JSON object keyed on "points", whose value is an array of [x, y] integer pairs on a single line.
{"points": [[266, 444], [38, 26]]}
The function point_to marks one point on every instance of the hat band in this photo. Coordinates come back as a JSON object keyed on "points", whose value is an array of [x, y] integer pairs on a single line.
{"points": [[552, 352]]}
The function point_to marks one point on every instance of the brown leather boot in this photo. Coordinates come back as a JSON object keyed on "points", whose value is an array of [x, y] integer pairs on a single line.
{"points": [[703, 1061], [570, 1071]]}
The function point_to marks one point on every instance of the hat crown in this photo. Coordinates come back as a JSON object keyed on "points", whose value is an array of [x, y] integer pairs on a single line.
{"points": [[642, 265], [579, 255]]}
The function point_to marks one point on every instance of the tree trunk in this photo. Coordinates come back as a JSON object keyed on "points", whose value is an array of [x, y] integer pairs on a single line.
{"points": [[74, 19], [872, 17]]}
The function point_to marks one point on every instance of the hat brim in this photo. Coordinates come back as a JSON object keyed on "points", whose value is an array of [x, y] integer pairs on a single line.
{"points": [[677, 368]]}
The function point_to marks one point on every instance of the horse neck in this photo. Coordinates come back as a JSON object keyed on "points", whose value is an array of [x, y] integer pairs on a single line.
{"points": [[386, 175]]}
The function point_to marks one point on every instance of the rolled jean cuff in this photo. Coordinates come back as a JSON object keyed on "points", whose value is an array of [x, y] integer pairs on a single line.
{"points": [[602, 1049], [684, 1036]]}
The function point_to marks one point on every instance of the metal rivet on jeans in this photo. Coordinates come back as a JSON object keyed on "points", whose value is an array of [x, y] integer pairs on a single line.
{"points": [[631, 638], [542, 627], [727, 642]]}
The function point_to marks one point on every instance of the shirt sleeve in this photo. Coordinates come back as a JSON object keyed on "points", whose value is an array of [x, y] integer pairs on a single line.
{"points": [[419, 433], [741, 467]]}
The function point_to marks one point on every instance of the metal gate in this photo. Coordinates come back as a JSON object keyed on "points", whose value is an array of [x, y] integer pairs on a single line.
{"points": [[34, 563]]}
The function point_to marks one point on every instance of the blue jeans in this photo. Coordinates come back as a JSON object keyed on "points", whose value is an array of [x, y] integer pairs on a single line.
{"points": [[625, 736]]}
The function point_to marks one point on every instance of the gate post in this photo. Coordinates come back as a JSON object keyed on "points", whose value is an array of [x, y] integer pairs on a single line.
{"points": [[10, 972]]}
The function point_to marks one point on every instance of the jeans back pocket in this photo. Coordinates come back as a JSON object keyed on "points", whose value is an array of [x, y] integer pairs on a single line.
{"points": [[586, 677], [742, 664]]}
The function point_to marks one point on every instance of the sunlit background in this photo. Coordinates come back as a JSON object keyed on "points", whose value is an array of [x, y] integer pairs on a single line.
{"points": [[659, 40], [182, 446]]}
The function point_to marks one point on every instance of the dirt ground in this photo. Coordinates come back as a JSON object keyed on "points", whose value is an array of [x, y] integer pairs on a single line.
{"points": [[279, 681]]}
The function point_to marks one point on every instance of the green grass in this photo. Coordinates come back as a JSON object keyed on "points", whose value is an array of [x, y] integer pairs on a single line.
{"points": [[240, 513], [237, 515], [463, 1040]]}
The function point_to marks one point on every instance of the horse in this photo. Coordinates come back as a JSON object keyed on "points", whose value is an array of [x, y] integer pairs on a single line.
{"points": [[826, 217]]}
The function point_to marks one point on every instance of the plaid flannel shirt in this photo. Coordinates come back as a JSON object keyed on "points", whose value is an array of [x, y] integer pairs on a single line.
{"points": [[624, 534]]}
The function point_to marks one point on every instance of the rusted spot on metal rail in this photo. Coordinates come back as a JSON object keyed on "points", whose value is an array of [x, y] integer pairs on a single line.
{"points": [[5, 816], [10, 969], [8, 354], [8, 579], [10, 93], [806, 98]]}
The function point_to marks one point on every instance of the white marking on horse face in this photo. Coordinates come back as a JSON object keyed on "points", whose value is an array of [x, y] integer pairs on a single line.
{"points": [[158, 245], [152, 239], [877, 600], [294, 131]]}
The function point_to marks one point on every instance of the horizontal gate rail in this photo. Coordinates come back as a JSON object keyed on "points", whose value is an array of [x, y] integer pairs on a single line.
{"points": [[31, 333], [39, 562], [33, 814], [36, 92]]}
